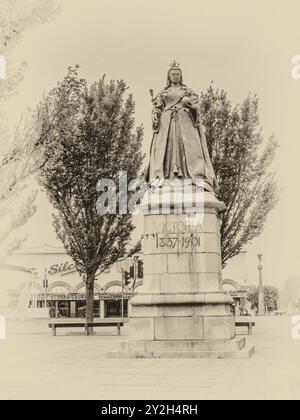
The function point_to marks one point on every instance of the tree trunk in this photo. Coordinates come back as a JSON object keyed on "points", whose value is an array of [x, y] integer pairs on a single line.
{"points": [[90, 280]]}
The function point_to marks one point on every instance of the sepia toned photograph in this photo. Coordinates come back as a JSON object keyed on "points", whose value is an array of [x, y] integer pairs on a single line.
{"points": [[149, 169]]}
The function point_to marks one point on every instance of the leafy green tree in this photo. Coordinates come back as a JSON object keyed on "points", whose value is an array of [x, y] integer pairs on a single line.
{"points": [[242, 164], [88, 134]]}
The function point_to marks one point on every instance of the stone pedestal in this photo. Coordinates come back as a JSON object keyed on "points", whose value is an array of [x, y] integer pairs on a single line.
{"points": [[181, 310]]}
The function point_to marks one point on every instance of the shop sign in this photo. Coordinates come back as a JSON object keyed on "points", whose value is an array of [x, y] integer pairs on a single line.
{"points": [[61, 268], [79, 296]]}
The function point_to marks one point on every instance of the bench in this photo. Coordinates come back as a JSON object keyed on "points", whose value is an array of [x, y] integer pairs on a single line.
{"points": [[86, 325], [248, 324]]}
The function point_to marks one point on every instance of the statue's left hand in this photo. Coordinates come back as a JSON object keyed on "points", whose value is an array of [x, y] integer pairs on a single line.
{"points": [[186, 101], [195, 103]]}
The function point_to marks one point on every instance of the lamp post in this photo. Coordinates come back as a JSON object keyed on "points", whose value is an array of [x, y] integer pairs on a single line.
{"points": [[45, 286], [34, 290], [261, 299], [135, 272], [122, 298]]}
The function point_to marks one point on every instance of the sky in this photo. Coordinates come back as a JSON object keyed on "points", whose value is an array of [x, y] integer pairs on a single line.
{"points": [[241, 46]]}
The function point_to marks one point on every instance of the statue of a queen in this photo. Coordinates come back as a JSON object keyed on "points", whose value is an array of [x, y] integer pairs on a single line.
{"points": [[179, 149]]}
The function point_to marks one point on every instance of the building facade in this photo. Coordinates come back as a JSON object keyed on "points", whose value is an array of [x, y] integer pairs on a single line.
{"points": [[46, 275], [52, 275]]}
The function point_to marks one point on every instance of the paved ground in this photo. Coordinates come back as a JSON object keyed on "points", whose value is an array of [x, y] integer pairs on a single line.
{"points": [[35, 365]]}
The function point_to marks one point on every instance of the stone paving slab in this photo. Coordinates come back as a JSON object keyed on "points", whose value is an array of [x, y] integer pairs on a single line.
{"points": [[39, 366]]}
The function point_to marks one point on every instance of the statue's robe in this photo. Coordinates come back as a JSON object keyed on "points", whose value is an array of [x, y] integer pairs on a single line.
{"points": [[179, 146]]}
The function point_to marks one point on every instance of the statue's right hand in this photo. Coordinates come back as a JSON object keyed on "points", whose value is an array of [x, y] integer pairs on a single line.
{"points": [[155, 119]]}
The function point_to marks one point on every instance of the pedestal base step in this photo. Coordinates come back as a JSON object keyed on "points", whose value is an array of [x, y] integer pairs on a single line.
{"points": [[210, 349]]}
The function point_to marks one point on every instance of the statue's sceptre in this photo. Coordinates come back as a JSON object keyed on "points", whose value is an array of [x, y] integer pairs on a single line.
{"points": [[152, 95], [155, 123]]}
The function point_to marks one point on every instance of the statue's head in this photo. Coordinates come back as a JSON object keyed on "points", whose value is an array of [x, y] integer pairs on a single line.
{"points": [[174, 75]]}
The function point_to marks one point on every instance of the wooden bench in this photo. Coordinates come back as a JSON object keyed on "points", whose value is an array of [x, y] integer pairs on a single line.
{"points": [[86, 325], [248, 324]]}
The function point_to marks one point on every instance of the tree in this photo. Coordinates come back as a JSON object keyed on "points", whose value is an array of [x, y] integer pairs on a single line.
{"points": [[16, 18], [271, 296], [18, 158], [17, 205], [92, 138], [290, 295], [242, 165], [253, 296]]}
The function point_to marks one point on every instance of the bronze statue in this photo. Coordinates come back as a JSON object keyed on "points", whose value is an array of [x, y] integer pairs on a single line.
{"points": [[179, 149]]}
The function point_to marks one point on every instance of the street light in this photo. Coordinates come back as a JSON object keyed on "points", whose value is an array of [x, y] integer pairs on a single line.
{"points": [[45, 286], [135, 271], [261, 298]]}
